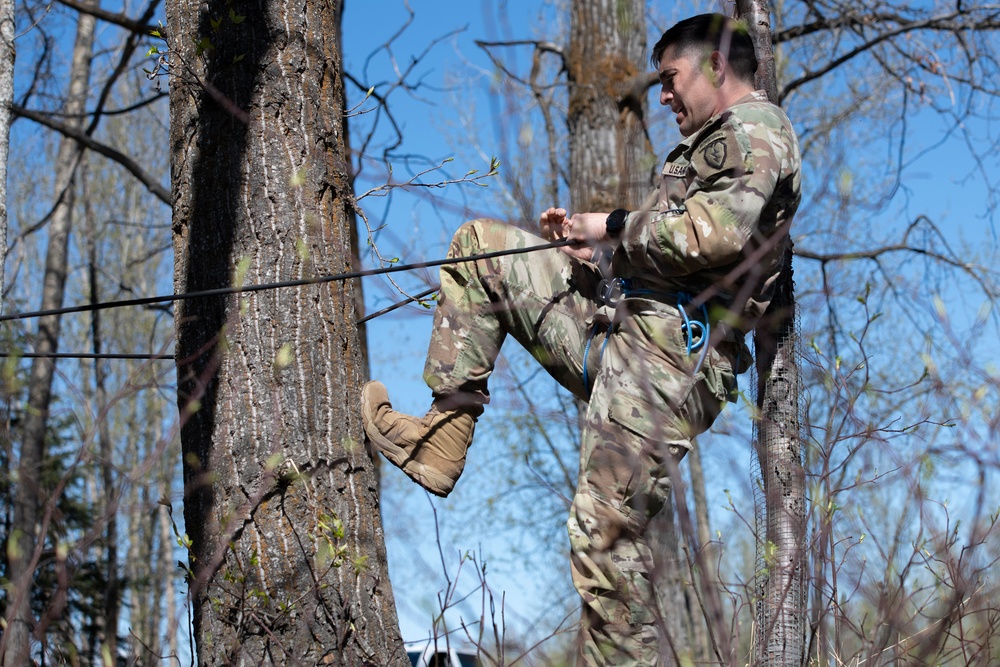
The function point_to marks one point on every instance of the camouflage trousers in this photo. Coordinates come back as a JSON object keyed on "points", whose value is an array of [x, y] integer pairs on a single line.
{"points": [[644, 407]]}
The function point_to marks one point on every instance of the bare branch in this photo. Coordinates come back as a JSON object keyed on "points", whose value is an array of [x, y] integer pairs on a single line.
{"points": [[953, 22], [140, 27], [162, 193]]}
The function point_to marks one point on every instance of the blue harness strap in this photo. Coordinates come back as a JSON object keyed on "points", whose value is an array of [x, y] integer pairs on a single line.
{"points": [[697, 331], [586, 354]]}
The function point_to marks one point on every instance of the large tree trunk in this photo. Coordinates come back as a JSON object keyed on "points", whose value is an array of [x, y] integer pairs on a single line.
{"points": [[781, 614], [29, 495], [610, 157], [287, 550]]}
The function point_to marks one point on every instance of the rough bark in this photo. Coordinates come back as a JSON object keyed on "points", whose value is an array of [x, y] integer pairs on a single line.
{"points": [[29, 496], [610, 156], [781, 617], [287, 548]]}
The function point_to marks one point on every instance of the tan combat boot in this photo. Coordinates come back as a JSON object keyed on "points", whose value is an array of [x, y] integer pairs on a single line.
{"points": [[430, 449]]}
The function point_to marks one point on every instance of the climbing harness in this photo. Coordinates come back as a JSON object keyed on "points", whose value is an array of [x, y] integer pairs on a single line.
{"points": [[696, 330]]}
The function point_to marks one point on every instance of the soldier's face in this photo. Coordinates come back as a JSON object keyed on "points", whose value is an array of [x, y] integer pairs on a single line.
{"points": [[688, 85]]}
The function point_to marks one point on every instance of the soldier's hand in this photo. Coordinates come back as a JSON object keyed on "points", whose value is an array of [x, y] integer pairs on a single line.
{"points": [[591, 230], [554, 224]]}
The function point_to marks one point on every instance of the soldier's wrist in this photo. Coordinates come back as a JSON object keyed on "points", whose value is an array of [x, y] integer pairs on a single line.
{"points": [[615, 223]]}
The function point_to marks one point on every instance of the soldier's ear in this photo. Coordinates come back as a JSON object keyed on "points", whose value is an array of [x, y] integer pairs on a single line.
{"points": [[717, 65]]}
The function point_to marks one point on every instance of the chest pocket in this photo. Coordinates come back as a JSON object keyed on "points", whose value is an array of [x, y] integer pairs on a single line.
{"points": [[675, 179]]}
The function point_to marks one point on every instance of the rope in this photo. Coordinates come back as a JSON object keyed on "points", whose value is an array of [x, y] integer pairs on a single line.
{"points": [[697, 332], [223, 291]]}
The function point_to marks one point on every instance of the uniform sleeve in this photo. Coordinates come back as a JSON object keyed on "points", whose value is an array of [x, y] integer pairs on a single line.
{"points": [[736, 172]]}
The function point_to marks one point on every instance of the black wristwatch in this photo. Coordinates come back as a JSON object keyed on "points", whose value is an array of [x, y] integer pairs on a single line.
{"points": [[616, 222]]}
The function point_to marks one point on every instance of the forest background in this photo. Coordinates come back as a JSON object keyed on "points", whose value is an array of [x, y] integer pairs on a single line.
{"points": [[896, 281]]}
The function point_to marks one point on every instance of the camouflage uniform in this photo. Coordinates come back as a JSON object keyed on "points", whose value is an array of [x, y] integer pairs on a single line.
{"points": [[715, 227]]}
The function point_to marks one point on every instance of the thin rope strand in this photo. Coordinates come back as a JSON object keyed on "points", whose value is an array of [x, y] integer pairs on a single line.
{"points": [[251, 288], [318, 280]]}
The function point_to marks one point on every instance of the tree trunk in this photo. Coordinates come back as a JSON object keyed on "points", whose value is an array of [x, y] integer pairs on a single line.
{"points": [[781, 615], [29, 496], [6, 98], [610, 156], [699, 641], [110, 607], [165, 558], [287, 551]]}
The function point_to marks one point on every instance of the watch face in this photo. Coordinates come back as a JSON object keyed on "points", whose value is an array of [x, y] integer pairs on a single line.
{"points": [[616, 221]]}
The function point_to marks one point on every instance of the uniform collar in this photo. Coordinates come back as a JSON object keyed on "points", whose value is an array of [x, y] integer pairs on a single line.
{"points": [[712, 123], [755, 96]]}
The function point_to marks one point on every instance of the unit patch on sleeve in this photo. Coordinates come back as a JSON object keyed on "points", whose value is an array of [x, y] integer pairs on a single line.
{"points": [[715, 153], [720, 152]]}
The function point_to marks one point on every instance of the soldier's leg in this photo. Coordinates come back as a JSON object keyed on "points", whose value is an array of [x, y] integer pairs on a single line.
{"points": [[645, 408], [542, 299]]}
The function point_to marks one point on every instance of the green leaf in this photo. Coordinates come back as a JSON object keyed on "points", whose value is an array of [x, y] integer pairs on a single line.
{"points": [[273, 461], [939, 307], [236, 18], [360, 564], [204, 44], [241, 271], [284, 357], [302, 249]]}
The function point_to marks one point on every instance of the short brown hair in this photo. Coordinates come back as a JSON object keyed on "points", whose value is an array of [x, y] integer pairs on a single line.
{"points": [[712, 32]]}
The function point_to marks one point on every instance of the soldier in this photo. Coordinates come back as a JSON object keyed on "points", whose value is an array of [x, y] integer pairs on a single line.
{"points": [[654, 351]]}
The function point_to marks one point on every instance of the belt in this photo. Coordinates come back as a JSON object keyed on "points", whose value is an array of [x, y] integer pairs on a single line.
{"points": [[696, 330]]}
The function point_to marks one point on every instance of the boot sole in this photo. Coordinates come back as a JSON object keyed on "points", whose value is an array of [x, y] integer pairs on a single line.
{"points": [[427, 477]]}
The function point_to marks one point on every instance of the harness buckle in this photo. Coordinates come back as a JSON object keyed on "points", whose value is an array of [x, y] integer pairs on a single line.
{"points": [[612, 291]]}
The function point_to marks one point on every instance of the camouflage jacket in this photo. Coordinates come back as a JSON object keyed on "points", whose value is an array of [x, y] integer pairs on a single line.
{"points": [[718, 223]]}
